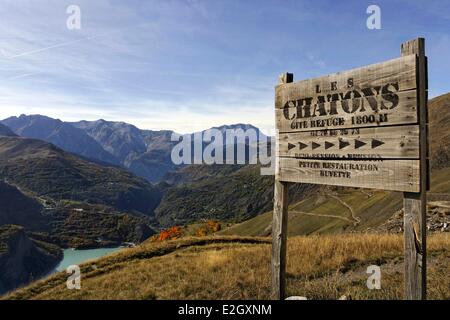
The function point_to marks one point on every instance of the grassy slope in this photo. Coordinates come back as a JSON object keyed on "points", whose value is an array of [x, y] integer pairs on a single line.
{"points": [[372, 210], [319, 267], [439, 117]]}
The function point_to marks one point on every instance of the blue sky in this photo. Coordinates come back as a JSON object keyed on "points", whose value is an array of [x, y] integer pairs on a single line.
{"points": [[189, 65]]}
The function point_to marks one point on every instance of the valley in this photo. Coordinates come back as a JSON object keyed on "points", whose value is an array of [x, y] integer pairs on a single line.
{"points": [[70, 201], [64, 192]]}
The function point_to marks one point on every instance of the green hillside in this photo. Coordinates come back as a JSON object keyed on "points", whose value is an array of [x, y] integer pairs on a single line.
{"points": [[47, 171], [328, 211], [221, 192], [70, 201], [439, 118], [19, 209]]}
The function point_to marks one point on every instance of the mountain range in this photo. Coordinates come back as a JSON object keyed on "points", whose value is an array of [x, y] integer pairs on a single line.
{"points": [[60, 134], [63, 188], [145, 153]]}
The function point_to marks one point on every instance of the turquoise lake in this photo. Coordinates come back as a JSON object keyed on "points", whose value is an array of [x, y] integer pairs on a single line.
{"points": [[76, 257]]}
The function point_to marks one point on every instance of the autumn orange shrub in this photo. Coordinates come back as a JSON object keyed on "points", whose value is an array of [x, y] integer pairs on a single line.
{"points": [[214, 226], [211, 226], [172, 233], [201, 232]]}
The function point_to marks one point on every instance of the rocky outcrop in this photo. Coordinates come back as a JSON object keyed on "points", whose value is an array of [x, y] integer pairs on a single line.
{"points": [[22, 259], [438, 219]]}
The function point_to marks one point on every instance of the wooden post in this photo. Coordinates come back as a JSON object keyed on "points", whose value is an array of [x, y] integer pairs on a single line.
{"points": [[279, 239], [415, 204], [279, 225]]}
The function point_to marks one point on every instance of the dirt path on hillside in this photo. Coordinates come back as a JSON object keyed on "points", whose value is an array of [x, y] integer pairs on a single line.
{"points": [[356, 220], [323, 215], [353, 220]]}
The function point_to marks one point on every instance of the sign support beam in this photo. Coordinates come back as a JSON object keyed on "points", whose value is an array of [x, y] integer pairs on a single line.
{"points": [[279, 240], [415, 204], [279, 225]]}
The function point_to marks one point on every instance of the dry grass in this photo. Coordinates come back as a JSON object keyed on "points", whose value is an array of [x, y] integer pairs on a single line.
{"points": [[319, 267]]}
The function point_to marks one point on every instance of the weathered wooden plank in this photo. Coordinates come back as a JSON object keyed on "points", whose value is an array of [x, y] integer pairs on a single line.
{"points": [[286, 78], [279, 239], [395, 175], [400, 71], [405, 112], [412, 47], [415, 203], [398, 142], [414, 246], [279, 224]]}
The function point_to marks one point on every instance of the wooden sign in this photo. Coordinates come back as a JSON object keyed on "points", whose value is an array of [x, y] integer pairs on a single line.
{"points": [[368, 114], [366, 128], [387, 175], [379, 95], [398, 142]]}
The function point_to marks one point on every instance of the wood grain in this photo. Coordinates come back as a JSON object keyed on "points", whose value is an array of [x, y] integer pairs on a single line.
{"points": [[398, 142], [279, 224], [404, 113], [395, 175], [401, 70], [279, 239], [415, 246], [414, 220]]}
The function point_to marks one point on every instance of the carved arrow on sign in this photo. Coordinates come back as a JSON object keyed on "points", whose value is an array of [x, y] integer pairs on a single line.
{"points": [[302, 145], [328, 145], [359, 144], [290, 146], [376, 143], [343, 144]]}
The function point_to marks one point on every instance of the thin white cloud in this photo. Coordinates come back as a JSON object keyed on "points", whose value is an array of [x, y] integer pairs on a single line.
{"points": [[21, 76], [182, 65], [58, 45]]}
